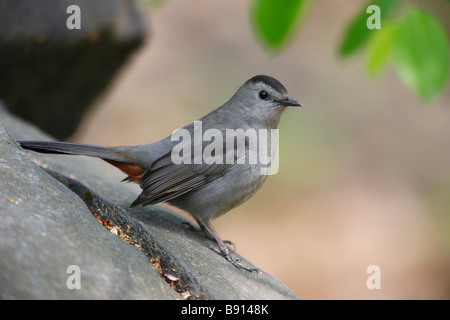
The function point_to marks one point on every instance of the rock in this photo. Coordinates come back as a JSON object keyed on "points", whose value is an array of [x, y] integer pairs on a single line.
{"points": [[45, 229], [50, 74], [48, 225]]}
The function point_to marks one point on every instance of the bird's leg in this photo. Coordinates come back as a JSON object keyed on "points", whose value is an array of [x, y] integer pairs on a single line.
{"points": [[210, 236], [223, 251]]}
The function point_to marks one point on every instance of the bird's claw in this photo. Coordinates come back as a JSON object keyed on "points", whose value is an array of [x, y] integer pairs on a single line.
{"points": [[234, 261]]}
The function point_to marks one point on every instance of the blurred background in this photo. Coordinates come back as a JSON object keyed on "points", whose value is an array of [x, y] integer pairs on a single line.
{"points": [[364, 174]]}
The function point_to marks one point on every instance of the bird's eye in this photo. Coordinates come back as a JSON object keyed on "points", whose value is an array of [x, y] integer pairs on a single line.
{"points": [[263, 94]]}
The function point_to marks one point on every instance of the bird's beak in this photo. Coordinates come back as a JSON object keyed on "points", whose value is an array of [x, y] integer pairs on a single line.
{"points": [[289, 102]]}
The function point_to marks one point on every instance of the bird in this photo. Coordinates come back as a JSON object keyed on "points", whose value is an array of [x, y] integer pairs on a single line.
{"points": [[206, 175]]}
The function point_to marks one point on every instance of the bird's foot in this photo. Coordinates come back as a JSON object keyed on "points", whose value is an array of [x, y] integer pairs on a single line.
{"points": [[234, 261]]}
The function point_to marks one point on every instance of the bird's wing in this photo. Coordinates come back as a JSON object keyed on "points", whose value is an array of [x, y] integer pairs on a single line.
{"points": [[166, 180]]}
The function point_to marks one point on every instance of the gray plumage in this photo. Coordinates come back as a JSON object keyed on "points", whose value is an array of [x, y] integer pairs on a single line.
{"points": [[206, 191]]}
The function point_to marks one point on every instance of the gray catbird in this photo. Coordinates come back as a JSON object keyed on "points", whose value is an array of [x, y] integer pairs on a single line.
{"points": [[205, 189]]}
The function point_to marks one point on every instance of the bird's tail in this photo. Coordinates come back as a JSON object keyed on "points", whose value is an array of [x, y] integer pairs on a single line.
{"points": [[73, 149]]}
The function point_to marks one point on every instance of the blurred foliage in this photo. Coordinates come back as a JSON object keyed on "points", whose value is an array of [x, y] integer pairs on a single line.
{"points": [[439, 201], [357, 31], [275, 22], [153, 4], [421, 53], [379, 49], [414, 41]]}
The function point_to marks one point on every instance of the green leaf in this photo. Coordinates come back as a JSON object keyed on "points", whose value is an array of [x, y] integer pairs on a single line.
{"points": [[275, 21], [357, 33], [421, 53], [379, 48], [153, 4]]}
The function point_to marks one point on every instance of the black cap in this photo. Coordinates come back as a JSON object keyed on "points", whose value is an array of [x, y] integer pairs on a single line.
{"points": [[272, 82]]}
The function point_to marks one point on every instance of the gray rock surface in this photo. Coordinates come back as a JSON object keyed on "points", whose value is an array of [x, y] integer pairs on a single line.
{"points": [[46, 225], [50, 74]]}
